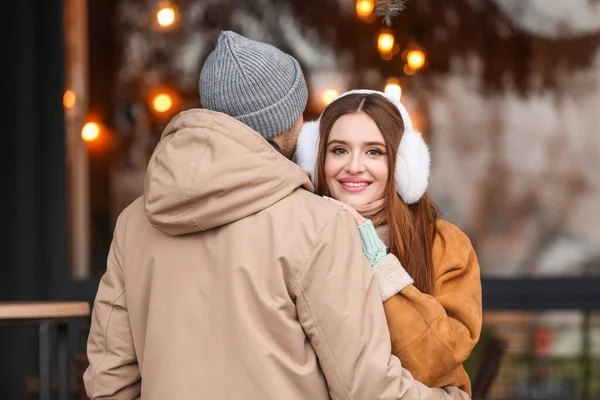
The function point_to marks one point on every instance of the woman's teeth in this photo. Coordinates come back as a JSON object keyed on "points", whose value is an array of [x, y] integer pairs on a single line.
{"points": [[352, 184]]}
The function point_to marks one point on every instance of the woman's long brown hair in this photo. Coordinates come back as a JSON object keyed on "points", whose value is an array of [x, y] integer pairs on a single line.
{"points": [[412, 228]]}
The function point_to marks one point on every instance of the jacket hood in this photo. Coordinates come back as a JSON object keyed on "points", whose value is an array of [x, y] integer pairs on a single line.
{"points": [[209, 170]]}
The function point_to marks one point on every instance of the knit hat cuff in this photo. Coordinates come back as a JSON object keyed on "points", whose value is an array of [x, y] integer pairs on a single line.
{"points": [[281, 116]]}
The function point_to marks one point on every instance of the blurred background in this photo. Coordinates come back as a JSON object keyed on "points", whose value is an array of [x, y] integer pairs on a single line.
{"points": [[507, 93]]}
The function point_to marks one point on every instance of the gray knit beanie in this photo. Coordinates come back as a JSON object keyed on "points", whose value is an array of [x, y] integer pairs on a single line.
{"points": [[255, 83]]}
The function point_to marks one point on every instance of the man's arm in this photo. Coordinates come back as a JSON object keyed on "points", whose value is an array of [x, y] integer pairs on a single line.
{"points": [[339, 306], [113, 372]]}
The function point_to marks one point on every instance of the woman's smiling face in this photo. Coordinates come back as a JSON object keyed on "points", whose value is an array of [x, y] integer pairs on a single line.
{"points": [[356, 162]]}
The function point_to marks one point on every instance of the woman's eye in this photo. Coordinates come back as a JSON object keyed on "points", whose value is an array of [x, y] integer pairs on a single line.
{"points": [[339, 150], [374, 152]]}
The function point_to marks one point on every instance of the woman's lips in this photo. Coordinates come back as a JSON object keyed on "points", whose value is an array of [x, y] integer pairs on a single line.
{"points": [[354, 185]]}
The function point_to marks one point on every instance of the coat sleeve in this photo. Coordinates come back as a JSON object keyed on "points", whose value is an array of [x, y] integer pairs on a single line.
{"points": [[113, 371], [433, 335], [339, 306]]}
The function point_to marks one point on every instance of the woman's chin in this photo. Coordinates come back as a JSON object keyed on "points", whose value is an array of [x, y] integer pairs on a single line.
{"points": [[362, 198], [354, 200]]}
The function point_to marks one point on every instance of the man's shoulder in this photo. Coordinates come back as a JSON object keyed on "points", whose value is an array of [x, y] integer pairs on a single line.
{"points": [[133, 211], [305, 215], [304, 203]]}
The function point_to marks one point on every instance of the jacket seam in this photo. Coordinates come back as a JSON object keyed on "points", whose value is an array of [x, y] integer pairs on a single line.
{"points": [[125, 215], [454, 352], [112, 305], [156, 163], [337, 373], [434, 333], [317, 324], [427, 328], [193, 177], [312, 248]]}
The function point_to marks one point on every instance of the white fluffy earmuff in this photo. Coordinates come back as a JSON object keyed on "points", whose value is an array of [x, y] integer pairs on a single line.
{"points": [[412, 164]]}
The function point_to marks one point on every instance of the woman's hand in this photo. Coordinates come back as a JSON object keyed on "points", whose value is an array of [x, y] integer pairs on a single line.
{"points": [[358, 219]]}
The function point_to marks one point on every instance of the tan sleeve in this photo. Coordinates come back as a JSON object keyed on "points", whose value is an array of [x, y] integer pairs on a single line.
{"points": [[339, 306], [113, 371], [434, 335]]}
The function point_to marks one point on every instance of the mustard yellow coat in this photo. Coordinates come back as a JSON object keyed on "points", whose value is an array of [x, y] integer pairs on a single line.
{"points": [[433, 335]]}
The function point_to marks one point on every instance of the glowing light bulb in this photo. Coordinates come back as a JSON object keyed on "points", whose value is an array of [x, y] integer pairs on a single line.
{"points": [[329, 95], [166, 16], [364, 8], [415, 59], [393, 89], [162, 102], [385, 42], [69, 99], [90, 131]]}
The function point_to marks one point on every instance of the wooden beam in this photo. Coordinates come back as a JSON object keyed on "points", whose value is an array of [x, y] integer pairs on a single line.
{"points": [[38, 310], [76, 70]]}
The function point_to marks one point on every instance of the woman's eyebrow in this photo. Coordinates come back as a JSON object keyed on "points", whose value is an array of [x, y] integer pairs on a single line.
{"points": [[337, 141], [374, 144]]}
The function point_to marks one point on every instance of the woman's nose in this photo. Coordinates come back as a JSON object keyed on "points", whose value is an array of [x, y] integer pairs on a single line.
{"points": [[355, 165]]}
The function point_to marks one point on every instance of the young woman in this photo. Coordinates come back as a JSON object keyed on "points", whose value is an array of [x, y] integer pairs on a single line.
{"points": [[364, 153]]}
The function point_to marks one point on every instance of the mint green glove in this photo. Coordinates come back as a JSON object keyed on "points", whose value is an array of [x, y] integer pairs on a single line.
{"points": [[373, 248]]}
